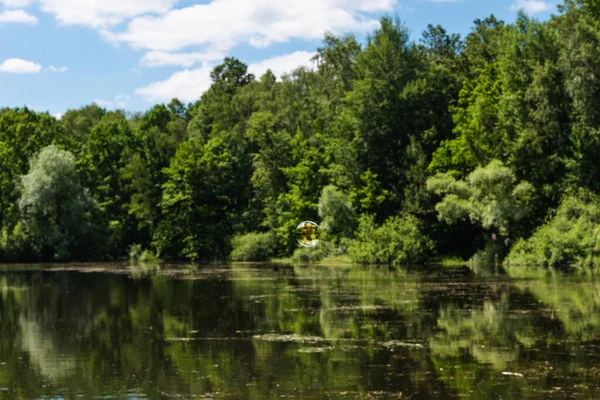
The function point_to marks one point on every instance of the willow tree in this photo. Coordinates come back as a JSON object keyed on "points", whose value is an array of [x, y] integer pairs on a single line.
{"points": [[57, 212], [490, 197]]}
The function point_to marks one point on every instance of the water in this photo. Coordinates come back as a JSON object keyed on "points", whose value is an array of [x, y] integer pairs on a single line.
{"points": [[266, 332]]}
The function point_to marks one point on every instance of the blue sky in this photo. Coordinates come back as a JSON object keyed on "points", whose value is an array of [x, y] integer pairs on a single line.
{"points": [[61, 54]]}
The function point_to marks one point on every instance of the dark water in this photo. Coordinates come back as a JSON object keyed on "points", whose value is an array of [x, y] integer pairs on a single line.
{"points": [[266, 332]]}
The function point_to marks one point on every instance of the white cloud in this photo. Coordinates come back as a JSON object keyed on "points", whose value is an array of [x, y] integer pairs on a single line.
{"points": [[188, 85], [205, 33], [99, 14], [52, 68], [532, 6], [222, 24], [18, 16], [16, 3], [19, 66], [281, 64], [57, 115], [161, 58], [365, 6], [103, 103], [120, 101]]}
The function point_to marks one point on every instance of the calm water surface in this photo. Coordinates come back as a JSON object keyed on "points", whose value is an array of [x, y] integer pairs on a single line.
{"points": [[272, 332]]}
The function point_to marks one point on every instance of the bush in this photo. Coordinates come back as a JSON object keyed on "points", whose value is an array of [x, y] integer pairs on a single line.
{"points": [[252, 246], [150, 257], [16, 246], [398, 241], [569, 238], [138, 254], [135, 252], [313, 254]]}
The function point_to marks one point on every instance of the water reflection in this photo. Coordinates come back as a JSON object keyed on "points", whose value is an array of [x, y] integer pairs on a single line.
{"points": [[255, 332]]}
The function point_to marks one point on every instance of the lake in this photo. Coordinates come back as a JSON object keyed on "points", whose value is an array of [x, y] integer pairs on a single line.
{"points": [[295, 332]]}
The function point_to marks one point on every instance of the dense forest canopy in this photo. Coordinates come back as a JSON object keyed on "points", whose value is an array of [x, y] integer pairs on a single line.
{"points": [[403, 150]]}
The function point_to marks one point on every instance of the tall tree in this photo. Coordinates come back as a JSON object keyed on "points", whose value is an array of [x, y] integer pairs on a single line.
{"points": [[200, 200], [57, 212]]}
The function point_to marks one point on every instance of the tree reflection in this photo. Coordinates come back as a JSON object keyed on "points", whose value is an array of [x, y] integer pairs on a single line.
{"points": [[257, 332]]}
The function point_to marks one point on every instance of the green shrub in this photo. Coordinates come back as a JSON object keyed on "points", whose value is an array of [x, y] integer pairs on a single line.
{"points": [[148, 256], [138, 254], [313, 254], [135, 252], [569, 238], [398, 241], [489, 255], [15, 245], [252, 246]]}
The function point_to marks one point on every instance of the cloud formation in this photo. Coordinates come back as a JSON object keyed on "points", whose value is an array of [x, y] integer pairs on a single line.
{"points": [[52, 68], [188, 85], [19, 66], [222, 24], [186, 60], [18, 16], [197, 36], [16, 3], [101, 14], [282, 64], [532, 6], [120, 101]]}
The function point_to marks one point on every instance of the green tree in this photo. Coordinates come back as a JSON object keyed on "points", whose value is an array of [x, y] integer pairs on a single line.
{"points": [[26, 133], [199, 203], [103, 169], [489, 197], [215, 113], [338, 217], [57, 212], [78, 124], [385, 67]]}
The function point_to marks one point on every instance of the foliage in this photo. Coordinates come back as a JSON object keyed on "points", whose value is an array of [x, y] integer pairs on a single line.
{"points": [[489, 197], [398, 241], [57, 212], [338, 217], [144, 256], [470, 135], [199, 202], [135, 252], [253, 246], [312, 254], [570, 237]]}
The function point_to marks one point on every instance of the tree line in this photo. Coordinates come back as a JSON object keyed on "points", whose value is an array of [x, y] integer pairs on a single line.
{"points": [[403, 150]]}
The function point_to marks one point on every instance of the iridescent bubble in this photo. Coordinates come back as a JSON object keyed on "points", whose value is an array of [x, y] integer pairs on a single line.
{"points": [[307, 234]]}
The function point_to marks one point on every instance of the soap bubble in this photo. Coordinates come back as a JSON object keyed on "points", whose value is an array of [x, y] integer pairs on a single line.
{"points": [[307, 234]]}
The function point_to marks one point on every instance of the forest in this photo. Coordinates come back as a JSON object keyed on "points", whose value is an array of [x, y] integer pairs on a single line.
{"points": [[479, 148]]}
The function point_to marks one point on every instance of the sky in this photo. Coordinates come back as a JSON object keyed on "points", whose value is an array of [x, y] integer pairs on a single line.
{"points": [[57, 55]]}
